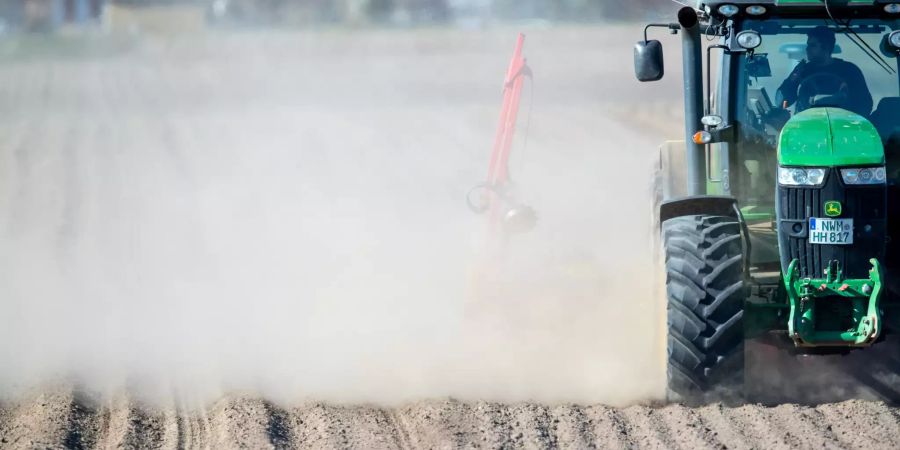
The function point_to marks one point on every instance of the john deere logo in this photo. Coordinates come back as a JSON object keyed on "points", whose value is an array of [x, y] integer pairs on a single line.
{"points": [[832, 209]]}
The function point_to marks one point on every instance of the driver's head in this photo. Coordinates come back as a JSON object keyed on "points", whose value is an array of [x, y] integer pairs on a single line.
{"points": [[819, 44]]}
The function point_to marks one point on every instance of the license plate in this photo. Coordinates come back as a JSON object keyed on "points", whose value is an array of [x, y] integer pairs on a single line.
{"points": [[830, 231]]}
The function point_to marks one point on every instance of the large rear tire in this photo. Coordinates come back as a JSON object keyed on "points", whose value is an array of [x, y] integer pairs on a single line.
{"points": [[705, 290]]}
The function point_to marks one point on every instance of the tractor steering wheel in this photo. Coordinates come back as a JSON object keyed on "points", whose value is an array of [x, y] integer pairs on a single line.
{"points": [[821, 89]]}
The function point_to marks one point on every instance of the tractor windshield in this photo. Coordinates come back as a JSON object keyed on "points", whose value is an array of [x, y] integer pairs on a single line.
{"points": [[805, 63], [783, 76]]}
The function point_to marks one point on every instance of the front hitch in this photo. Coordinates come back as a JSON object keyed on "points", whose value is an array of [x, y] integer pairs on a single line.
{"points": [[864, 296]]}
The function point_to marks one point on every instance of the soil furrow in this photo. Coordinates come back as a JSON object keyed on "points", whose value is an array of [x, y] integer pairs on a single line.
{"points": [[610, 427], [278, 427], [116, 413], [802, 429], [534, 427], [150, 429], [732, 431], [399, 430], [646, 427], [445, 424], [862, 425], [87, 423], [496, 423], [574, 427], [759, 421], [690, 428]]}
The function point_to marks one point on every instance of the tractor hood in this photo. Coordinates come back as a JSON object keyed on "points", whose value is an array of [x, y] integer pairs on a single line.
{"points": [[829, 137]]}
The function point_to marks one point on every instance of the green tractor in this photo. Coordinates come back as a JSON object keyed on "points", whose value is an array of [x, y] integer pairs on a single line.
{"points": [[779, 215]]}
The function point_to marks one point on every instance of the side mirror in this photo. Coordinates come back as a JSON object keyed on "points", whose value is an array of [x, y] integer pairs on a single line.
{"points": [[758, 65], [648, 61]]}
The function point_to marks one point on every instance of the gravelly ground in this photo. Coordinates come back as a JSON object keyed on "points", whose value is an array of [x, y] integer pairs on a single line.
{"points": [[55, 419]]}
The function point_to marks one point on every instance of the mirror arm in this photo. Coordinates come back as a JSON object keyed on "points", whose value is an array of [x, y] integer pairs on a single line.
{"points": [[673, 28], [723, 133]]}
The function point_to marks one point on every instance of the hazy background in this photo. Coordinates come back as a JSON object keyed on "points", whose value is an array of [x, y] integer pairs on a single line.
{"points": [[51, 14], [197, 200]]}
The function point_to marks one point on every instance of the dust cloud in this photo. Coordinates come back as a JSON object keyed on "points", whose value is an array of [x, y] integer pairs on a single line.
{"points": [[284, 213]]}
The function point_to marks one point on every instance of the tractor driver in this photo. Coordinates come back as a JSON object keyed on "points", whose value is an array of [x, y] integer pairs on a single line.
{"points": [[840, 81]]}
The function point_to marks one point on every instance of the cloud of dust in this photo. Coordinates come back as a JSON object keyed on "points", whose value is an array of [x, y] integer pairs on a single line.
{"points": [[285, 214]]}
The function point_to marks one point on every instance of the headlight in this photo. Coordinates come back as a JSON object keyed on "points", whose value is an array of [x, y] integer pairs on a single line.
{"points": [[865, 175], [894, 39], [749, 39], [711, 120], [793, 176], [892, 8], [756, 10], [728, 10]]}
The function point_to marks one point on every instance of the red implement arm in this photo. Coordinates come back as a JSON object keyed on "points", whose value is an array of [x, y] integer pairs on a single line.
{"points": [[495, 197], [498, 171]]}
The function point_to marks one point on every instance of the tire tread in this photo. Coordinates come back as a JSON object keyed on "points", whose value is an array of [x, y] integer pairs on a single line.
{"points": [[705, 290]]}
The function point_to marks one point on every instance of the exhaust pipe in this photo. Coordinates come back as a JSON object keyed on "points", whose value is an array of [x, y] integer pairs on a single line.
{"points": [[693, 98]]}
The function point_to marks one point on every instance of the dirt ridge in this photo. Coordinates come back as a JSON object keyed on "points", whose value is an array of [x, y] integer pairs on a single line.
{"points": [[66, 418]]}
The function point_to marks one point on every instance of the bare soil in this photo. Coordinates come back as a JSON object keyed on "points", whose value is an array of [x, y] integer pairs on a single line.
{"points": [[65, 419]]}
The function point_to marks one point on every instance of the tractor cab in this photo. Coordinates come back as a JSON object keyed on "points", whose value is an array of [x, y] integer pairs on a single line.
{"points": [[766, 86], [777, 214]]}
